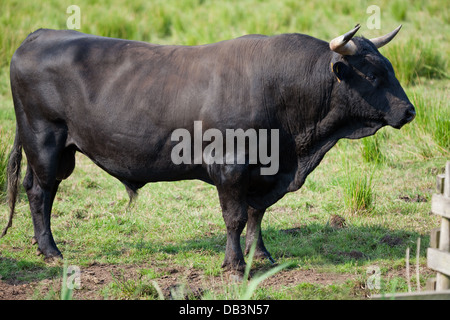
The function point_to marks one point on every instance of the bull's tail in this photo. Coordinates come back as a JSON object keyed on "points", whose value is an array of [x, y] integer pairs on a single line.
{"points": [[13, 176]]}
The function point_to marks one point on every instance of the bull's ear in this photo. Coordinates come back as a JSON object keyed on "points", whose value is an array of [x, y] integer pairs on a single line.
{"points": [[340, 70]]}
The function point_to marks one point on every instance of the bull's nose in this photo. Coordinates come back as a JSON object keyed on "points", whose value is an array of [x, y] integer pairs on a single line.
{"points": [[410, 113]]}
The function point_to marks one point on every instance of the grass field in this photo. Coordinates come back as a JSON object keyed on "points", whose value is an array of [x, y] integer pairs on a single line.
{"points": [[170, 243]]}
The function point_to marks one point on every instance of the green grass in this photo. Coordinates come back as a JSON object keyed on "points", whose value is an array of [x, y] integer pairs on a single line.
{"points": [[399, 9], [433, 114], [178, 226], [124, 288], [371, 149], [418, 58], [358, 191]]}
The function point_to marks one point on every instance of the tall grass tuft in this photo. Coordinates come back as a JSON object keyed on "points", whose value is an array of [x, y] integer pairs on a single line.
{"points": [[371, 150], [358, 191]]}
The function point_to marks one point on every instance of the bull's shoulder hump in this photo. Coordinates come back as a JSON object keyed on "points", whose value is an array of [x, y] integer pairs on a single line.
{"points": [[298, 42], [48, 34], [253, 36], [297, 37]]}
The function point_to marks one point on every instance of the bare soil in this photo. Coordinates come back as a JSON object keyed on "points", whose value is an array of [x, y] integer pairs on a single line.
{"points": [[96, 276], [194, 282]]}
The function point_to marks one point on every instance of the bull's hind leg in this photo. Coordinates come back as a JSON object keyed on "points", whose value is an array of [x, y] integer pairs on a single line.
{"points": [[254, 234], [46, 168]]}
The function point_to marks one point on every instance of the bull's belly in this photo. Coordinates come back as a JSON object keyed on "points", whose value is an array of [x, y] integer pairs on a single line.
{"points": [[145, 167]]}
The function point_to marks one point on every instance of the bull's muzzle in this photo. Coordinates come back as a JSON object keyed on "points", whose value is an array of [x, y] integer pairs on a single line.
{"points": [[410, 113]]}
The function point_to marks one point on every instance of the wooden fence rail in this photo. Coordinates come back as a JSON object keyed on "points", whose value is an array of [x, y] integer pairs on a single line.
{"points": [[438, 255]]}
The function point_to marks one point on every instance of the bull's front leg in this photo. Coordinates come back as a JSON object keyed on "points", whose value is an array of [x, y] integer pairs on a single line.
{"points": [[235, 216], [234, 211]]}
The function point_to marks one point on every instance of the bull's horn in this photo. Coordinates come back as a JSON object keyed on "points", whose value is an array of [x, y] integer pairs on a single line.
{"points": [[381, 41], [343, 44]]}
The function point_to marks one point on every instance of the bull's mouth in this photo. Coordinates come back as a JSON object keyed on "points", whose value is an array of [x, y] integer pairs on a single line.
{"points": [[400, 125]]}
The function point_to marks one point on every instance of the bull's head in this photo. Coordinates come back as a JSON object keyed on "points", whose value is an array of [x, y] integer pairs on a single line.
{"points": [[368, 88]]}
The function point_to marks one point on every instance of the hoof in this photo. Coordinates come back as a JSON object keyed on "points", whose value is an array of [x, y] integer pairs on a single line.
{"points": [[56, 255], [262, 254], [54, 260], [240, 266], [236, 277], [272, 260]]}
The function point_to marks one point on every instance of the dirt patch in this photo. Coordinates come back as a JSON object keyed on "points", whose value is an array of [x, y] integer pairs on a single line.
{"points": [[337, 222], [179, 283], [354, 254], [416, 198], [188, 282], [293, 231], [391, 240], [15, 291], [287, 278]]}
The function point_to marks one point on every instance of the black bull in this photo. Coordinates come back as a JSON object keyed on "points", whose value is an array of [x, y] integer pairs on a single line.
{"points": [[118, 102]]}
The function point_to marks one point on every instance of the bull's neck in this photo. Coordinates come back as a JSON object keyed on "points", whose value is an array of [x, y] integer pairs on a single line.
{"points": [[300, 86], [306, 98], [311, 117]]}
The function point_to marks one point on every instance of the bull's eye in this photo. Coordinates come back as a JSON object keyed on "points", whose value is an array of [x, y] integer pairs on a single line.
{"points": [[371, 77]]}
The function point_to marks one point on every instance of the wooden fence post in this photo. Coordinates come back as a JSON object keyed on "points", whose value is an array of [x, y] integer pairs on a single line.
{"points": [[439, 259]]}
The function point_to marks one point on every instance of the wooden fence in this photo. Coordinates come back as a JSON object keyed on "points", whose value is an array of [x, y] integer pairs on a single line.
{"points": [[438, 254]]}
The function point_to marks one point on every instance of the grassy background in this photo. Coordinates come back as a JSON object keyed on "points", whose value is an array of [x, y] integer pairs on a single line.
{"points": [[381, 185]]}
